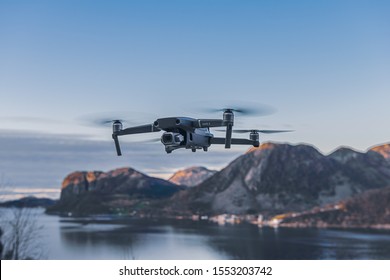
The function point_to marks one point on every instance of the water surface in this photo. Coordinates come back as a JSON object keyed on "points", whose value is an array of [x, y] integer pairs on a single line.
{"points": [[126, 238]]}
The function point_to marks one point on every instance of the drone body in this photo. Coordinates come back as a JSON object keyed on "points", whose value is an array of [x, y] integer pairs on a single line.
{"points": [[190, 133]]}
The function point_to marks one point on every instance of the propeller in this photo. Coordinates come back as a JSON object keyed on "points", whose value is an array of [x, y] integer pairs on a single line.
{"points": [[101, 122], [153, 140], [104, 119], [248, 110], [266, 131]]}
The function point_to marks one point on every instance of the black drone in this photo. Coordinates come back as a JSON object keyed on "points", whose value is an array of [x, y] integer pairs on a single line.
{"points": [[189, 133]]}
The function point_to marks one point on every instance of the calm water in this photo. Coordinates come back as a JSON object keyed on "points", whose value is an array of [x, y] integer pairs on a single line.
{"points": [[107, 238]]}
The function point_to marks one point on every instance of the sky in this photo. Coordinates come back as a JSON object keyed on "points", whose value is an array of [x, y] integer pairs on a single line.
{"points": [[323, 65]]}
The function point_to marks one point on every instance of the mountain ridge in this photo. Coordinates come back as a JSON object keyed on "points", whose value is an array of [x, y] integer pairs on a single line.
{"points": [[96, 192], [272, 179], [284, 177]]}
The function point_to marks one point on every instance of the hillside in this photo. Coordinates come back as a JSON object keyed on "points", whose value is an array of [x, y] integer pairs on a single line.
{"points": [[271, 179], [369, 209], [110, 192], [29, 202], [383, 149], [276, 178]]}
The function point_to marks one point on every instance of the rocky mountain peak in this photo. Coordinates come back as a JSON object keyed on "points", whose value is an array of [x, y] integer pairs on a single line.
{"points": [[79, 177], [191, 176], [124, 172], [281, 154], [89, 177], [384, 150], [101, 192]]}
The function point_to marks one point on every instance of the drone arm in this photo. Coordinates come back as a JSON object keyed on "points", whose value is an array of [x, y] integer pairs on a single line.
{"points": [[208, 123], [131, 130], [117, 146], [217, 140], [228, 139], [137, 129], [234, 141]]}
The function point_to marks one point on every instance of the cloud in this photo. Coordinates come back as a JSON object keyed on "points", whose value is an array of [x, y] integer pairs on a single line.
{"points": [[41, 161], [12, 193]]}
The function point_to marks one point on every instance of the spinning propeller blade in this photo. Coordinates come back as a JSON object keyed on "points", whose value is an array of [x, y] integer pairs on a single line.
{"points": [[252, 110], [266, 131]]}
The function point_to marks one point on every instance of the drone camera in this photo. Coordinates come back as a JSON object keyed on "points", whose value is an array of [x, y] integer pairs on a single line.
{"points": [[171, 138], [167, 138]]}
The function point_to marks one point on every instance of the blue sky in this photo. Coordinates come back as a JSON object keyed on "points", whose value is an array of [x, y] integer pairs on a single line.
{"points": [[324, 65]]}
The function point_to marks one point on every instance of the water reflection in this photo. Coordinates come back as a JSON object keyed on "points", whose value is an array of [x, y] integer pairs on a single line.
{"points": [[152, 239]]}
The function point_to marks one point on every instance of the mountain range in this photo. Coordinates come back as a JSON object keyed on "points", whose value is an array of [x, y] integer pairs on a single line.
{"points": [[277, 178], [271, 179]]}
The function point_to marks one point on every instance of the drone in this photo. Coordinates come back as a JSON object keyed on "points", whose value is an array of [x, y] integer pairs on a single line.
{"points": [[190, 133]]}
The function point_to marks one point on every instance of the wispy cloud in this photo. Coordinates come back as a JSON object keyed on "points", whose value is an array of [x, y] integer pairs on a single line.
{"points": [[11, 193], [41, 161]]}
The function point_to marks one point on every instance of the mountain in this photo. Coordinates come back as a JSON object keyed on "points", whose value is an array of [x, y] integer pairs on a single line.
{"points": [[29, 201], [191, 176], [369, 209], [384, 150], [107, 192], [276, 178], [272, 179]]}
